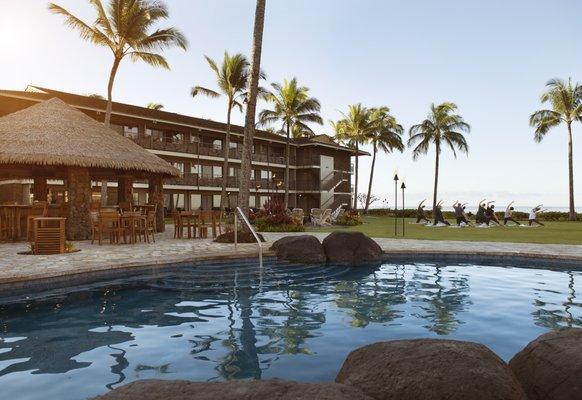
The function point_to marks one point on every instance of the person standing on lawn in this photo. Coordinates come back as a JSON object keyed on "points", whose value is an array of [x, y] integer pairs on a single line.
{"points": [[533, 216], [420, 215], [508, 216]]}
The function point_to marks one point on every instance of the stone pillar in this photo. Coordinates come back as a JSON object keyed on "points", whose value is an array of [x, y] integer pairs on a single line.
{"points": [[25, 194], [40, 188], [125, 189], [104, 193], [156, 196], [78, 224]]}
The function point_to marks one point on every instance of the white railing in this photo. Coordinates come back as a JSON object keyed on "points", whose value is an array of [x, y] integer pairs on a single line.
{"points": [[237, 212]]}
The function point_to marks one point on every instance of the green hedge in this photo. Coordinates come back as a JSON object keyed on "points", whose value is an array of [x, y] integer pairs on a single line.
{"points": [[411, 213]]}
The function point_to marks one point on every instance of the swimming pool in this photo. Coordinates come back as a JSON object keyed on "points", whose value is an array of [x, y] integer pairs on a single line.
{"points": [[230, 321]]}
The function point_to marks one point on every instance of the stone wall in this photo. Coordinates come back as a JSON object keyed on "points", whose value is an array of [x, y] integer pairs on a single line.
{"points": [[78, 224]]}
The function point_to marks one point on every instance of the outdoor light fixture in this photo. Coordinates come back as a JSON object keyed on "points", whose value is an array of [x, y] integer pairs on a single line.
{"points": [[403, 186], [395, 204]]}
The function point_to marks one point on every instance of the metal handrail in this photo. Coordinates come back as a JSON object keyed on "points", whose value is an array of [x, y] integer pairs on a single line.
{"points": [[248, 224]]}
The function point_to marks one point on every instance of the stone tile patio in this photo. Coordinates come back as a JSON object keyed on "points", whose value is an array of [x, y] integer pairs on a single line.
{"points": [[94, 258]]}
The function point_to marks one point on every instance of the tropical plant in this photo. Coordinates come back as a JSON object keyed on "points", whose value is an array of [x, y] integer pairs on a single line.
{"points": [[125, 28], [155, 106], [232, 79], [353, 130], [565, 100], [385, 135], [293, 107], [253, 90], [443, 127]]}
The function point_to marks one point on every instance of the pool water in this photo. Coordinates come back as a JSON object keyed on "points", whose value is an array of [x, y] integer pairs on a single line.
{"points": [[232, 321]]}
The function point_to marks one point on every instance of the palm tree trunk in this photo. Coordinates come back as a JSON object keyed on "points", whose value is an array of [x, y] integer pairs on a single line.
{"points": [[108, 110], [436, 180], [356, 180], [246, 162], [371, 178], [287, 168], [112, 74], [572, 216], [226, 152]]}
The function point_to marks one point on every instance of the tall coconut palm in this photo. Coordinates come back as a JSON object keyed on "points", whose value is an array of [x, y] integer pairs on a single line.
{"points": [[565, 100], [252, 93], [232, 78], [386, 136], [353, 130], [125, 27], [293, 107], [443, 127], [155, 106]]}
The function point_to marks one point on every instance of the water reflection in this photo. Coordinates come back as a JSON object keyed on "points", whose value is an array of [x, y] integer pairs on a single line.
{"points": [[220, 323]]}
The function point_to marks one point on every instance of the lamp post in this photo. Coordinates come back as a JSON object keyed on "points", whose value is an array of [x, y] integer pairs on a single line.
{"points": [[403, 186], [395, 204]]}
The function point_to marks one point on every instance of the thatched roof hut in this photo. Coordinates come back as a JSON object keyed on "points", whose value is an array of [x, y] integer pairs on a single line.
{"points": [[54, 133], [54, 140]]}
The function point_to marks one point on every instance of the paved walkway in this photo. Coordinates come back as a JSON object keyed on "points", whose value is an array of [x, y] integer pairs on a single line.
{"points": [[94, 258]]}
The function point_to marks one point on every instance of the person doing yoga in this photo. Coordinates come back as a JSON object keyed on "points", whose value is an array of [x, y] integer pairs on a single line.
{"points": [[460, 213], [508, 216], [533, 215], [480, 216], [438, 215], [420, 215], [490, 214]]}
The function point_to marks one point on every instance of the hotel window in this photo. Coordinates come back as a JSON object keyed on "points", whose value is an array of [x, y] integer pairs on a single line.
{"points": [[195, 202], [264, 200], [265, 174], [232, 171], [206, 171], [252, 201], [194, 169], [216, 200], [194, 138], [217, 144], [216, 172], [156, 134], [178, 199], [233, 145], [131, 132], [180, 166]]}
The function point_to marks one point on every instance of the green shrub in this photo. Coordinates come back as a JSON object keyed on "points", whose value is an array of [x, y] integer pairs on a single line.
{"points": [[265, 225], [350, 218]]}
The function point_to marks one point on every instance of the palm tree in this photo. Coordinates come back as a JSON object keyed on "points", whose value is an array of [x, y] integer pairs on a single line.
{"points": [[232, 78], [442, 127], [566, 102], [155, 106], [294, 108], [124, 27], [385, 135], [353, 130], [252, 93]]}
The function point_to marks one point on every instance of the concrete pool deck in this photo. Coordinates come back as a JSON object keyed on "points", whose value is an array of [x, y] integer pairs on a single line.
{"points": [[19, 269]]}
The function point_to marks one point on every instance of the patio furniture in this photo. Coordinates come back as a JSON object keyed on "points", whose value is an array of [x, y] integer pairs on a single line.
{"points": [[109, 225], [298, 215], [38, 209], [133, 225], [336, 214], [184, 220], [315, 215], [125, 206], [13, 215], [49, 235], [209, 219], [325, 217], [149, 212]]}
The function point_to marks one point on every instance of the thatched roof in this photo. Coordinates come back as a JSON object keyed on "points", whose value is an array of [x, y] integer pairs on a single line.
{"points": [[54, 133]]}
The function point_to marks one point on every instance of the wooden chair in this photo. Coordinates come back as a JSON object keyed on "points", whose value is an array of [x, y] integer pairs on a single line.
{"points": [[94, 225], [149, 212], [132, 225], [39, 209], [109, 224], [4, 226], [209, 220]]}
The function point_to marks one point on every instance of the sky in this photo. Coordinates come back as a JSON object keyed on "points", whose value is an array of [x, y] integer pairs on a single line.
{"points": [[491, 58]]}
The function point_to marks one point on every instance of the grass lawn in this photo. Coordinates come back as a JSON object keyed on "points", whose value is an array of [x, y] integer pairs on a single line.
{"points": [[553, 232]]}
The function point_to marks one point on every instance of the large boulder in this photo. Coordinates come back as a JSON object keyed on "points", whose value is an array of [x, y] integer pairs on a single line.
{"points": [[272, 389], [550, 367], [351, 248], [429, 369], [303, 249]]}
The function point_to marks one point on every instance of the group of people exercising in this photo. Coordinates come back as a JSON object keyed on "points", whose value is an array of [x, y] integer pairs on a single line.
{"points": [[484, 217]]}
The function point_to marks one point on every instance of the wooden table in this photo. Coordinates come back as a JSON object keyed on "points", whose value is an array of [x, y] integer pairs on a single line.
{"points": [[49, 235], [185, 219], [132, 221]]}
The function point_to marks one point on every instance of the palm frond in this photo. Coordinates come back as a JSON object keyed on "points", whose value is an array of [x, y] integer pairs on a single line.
{"points": [[196, 90]]}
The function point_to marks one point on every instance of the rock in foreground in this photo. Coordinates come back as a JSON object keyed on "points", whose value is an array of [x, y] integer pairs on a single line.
{"points": [[429, 369], [272, 389], [550, 367], [303, 249], [351, 248]]}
